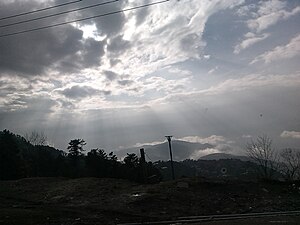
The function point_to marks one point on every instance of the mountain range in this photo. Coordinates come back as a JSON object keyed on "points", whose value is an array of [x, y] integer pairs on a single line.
{"points": [[218, 156], [181, 150]]}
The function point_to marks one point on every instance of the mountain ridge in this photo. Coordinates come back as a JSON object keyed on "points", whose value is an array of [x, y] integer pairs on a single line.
{"points": [[181, 150], [218, 156]]}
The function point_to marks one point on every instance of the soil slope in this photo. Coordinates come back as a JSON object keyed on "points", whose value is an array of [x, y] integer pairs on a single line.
{"points": [[110, 201]]}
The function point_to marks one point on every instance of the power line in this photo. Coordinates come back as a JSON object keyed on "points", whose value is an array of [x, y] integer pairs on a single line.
{"points": [[39, 10], [148, 157], [83, 19], [57, 14]]}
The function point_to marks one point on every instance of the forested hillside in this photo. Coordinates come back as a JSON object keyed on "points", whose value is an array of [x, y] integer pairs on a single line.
{"points": [[19, 159]]}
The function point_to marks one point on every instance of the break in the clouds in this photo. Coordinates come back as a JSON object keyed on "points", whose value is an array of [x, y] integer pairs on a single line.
{"points": [[251, 39], [290, 134], [207, 72], [264, 15], [282, 52], [269, 13]]}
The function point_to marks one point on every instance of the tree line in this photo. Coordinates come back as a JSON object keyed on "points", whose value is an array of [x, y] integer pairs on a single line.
{"points": [[19, 158], [29, 156]]}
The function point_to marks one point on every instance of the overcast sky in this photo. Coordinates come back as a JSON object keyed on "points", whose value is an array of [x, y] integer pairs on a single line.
{"points": [[209, 71]]}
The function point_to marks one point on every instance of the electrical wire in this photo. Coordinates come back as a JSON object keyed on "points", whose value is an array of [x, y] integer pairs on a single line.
{"points": [[39, 10], [57, 14], [83, 19]]}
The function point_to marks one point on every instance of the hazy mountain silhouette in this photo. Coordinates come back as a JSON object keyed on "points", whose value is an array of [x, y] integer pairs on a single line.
{"points": [[218, 156], [181, 150]]}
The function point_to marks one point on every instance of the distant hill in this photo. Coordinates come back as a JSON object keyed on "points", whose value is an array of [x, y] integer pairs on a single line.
{"points": [[218, 156], [181, 150], [231, 168]]}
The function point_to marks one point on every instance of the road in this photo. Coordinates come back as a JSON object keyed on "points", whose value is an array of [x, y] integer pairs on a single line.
{"points": [[278, 220], [283, 217]]}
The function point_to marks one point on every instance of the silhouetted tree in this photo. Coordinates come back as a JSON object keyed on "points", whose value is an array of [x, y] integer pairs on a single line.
{"points": [[11, 163], [62, 168], [262, 153], [112, 157], [19, 158], [76, 158], [130, 167], [36, 138], [153, 173], [45, 160], [290, 164], [135, 170], [97, 163], [76, 147], [114, 165], [131, 160]]}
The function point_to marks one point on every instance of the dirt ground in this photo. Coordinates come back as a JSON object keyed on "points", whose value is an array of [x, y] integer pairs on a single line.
{"points": [[63, 201]]}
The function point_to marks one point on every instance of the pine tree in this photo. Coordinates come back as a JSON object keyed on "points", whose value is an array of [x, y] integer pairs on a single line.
{"points": [[76, 147]]}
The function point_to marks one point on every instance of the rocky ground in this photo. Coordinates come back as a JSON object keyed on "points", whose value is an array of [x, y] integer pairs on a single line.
{"points": [[110, 201]]}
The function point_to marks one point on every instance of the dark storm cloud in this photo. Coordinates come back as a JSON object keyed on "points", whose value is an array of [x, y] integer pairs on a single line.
{"points": [[92, 52], [24, 106], [125, 82], [141, 15], [109, 25], [114, 62], [33, 117], [88, 55], [6, 89], [118, 45], [66, 104], [79, 92], [110, 75], [120, 79], [33, 53]]}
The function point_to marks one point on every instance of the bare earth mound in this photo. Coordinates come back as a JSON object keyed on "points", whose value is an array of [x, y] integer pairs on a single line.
{"points": [[110, 201]]}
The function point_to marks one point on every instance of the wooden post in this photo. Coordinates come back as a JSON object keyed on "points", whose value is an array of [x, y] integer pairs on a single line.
{"points": [[143, 165]]}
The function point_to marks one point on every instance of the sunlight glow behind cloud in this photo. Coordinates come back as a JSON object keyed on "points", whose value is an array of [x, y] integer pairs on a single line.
{"points": [[192, 68]]}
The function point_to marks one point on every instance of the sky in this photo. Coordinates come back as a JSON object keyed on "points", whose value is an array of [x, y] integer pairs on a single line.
{"points": [[220, 72]]}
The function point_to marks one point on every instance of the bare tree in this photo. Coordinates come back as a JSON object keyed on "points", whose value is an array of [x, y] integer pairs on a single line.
{"points": [[290, 164], [263, 154], [36, 138]]}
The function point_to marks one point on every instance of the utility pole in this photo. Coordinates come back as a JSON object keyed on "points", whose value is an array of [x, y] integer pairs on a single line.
{"points": [[171, 156], [143, 163]]}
